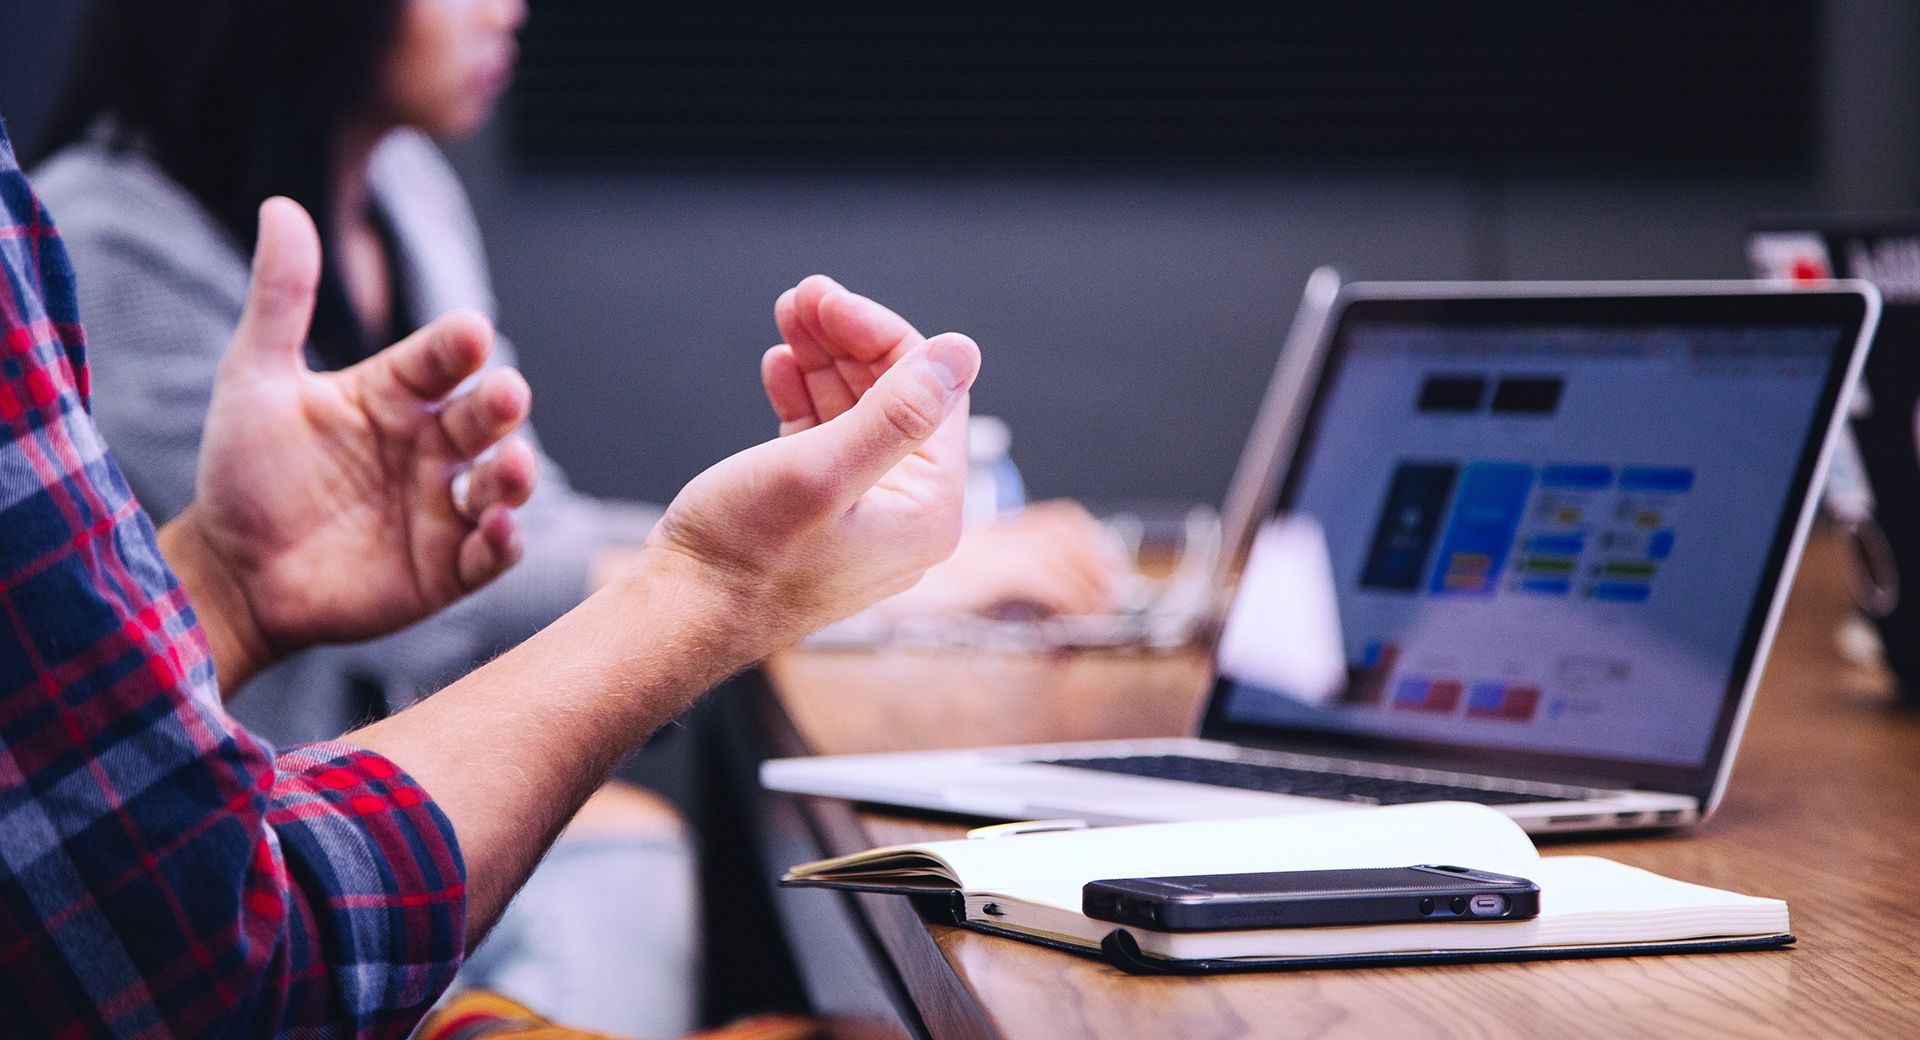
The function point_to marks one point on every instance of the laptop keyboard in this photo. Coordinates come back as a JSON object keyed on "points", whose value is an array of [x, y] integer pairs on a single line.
{"points": [[1310, 783]]}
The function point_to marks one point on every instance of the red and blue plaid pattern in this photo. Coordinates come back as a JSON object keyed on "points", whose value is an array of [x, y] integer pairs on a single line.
{"points": [[162, 872]]}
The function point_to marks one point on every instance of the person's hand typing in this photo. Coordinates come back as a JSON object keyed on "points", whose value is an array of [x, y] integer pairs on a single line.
{"points": [[862, 492], [324, 508], [1049, 558]]}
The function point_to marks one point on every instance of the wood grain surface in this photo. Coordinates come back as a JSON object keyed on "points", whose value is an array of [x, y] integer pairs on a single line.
{"points": [[1824, 812]]}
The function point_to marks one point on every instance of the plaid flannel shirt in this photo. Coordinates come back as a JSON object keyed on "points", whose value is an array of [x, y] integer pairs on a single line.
{"points": [[162, 872]]}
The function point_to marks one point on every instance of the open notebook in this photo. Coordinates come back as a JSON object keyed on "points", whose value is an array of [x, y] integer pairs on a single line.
{"points": [[1028, 886]]}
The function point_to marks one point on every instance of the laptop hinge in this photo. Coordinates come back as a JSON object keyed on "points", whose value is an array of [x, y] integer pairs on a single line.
{"points": [[1438, 762]]}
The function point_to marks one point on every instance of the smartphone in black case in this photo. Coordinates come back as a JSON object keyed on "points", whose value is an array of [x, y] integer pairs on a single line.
{"points": [[1304, 898]]}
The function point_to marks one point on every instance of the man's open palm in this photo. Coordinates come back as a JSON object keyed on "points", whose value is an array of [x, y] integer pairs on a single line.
{"points": [[328, 495]]}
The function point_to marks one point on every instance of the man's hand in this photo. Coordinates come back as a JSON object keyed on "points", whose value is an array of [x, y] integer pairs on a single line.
{"points": [[857, 499], [1052, 557], [324, 508]]}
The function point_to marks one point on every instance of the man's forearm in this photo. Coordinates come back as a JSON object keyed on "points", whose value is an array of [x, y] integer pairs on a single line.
{"points": [[512, 750], [239, 649]]}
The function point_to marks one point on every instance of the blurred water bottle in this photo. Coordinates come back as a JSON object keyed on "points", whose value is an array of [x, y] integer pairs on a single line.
{"points": [[994, 487]]}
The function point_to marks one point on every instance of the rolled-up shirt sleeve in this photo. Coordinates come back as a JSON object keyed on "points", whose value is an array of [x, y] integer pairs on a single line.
{"points": [[164, 874], [375, 886]]}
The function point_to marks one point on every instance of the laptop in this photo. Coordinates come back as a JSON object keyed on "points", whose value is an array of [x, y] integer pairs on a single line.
{"points": [[1520, 544]]}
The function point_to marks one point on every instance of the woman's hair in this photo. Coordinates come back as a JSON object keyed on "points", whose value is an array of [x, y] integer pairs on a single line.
{"points": [[238, 101]]}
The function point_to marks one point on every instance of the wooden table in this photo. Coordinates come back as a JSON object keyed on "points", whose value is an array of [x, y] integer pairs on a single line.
{"points": [[1824, 811]]}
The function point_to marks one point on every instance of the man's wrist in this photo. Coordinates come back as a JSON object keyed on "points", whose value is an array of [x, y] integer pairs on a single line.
{"points": [[240, 648], [712, 611]]}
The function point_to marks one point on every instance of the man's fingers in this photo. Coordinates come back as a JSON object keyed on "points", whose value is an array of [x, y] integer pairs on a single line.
{"points": [[495, 488], [286, 277], [794, 313], [854, 327], [427, 365], [507, 479], [906, 411], [787, 390], [479, 418], [829, 392], [826, 323], [494, 545], [858, 377], [839, 341]]}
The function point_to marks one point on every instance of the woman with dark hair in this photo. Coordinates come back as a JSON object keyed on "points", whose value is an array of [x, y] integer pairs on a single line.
{"points": [[186, 114]]}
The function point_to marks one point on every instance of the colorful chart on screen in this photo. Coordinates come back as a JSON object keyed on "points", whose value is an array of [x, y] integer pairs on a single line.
{"points": [[1540, 538]]}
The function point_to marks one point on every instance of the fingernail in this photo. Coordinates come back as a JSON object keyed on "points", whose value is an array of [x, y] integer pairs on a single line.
{"points": [[952, 359]]}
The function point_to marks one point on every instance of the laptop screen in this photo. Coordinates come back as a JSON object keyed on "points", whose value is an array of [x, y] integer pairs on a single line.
{"points": [[1548, 541]]}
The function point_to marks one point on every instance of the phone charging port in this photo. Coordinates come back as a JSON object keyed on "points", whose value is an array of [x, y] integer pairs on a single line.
{"points": [[1488, 905]]}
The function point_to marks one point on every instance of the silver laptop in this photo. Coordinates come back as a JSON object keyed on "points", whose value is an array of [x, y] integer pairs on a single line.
{"points": [[1517, 544]]}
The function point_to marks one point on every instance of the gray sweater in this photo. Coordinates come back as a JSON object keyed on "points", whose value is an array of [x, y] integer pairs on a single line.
{"points": [[161, 286]]}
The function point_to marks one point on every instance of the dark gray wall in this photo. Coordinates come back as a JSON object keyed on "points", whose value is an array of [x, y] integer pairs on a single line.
{"points": [[1129, 322], [34, 37]]}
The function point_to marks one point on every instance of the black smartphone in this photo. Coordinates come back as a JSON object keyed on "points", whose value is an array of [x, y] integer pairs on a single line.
{"points": [[1303, 898]]}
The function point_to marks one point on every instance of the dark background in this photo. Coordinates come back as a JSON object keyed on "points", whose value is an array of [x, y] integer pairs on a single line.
{"points": [[1119, 203]]}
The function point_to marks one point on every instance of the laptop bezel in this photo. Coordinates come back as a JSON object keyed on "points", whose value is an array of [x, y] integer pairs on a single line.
{"points": [[1850, 306], [1256, 477]]}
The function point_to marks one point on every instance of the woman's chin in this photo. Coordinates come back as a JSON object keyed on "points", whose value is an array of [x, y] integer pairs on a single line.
{"points": [[457, 121]]}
